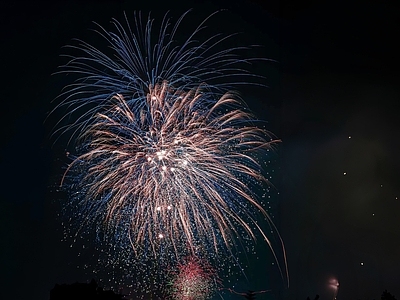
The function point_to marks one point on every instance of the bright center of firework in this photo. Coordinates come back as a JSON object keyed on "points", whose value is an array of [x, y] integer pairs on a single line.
{"points": [[161, 154], [171, 157]]}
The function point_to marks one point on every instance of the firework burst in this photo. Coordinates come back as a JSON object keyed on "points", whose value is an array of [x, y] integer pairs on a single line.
{"points": [[194, 279], [166, 160], [176, 172]]}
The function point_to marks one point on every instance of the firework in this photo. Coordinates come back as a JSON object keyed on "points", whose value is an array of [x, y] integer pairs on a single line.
{"points": [[175, 172], [167, 162], [194, 279]]}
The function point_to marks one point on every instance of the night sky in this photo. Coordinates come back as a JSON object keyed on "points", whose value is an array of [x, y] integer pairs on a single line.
{"points": [[332, 98]]}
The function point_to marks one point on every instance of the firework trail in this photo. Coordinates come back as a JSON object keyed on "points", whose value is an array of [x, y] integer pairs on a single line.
{"points": [[166, 160]]}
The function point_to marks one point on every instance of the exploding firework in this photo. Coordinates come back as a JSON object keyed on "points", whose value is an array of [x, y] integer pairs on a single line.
{"points": [[194, 279], [175, 173], [167, 162]]}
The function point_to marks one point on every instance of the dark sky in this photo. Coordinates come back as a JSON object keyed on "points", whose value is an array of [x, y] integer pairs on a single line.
{"points": [[332, 98]]}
